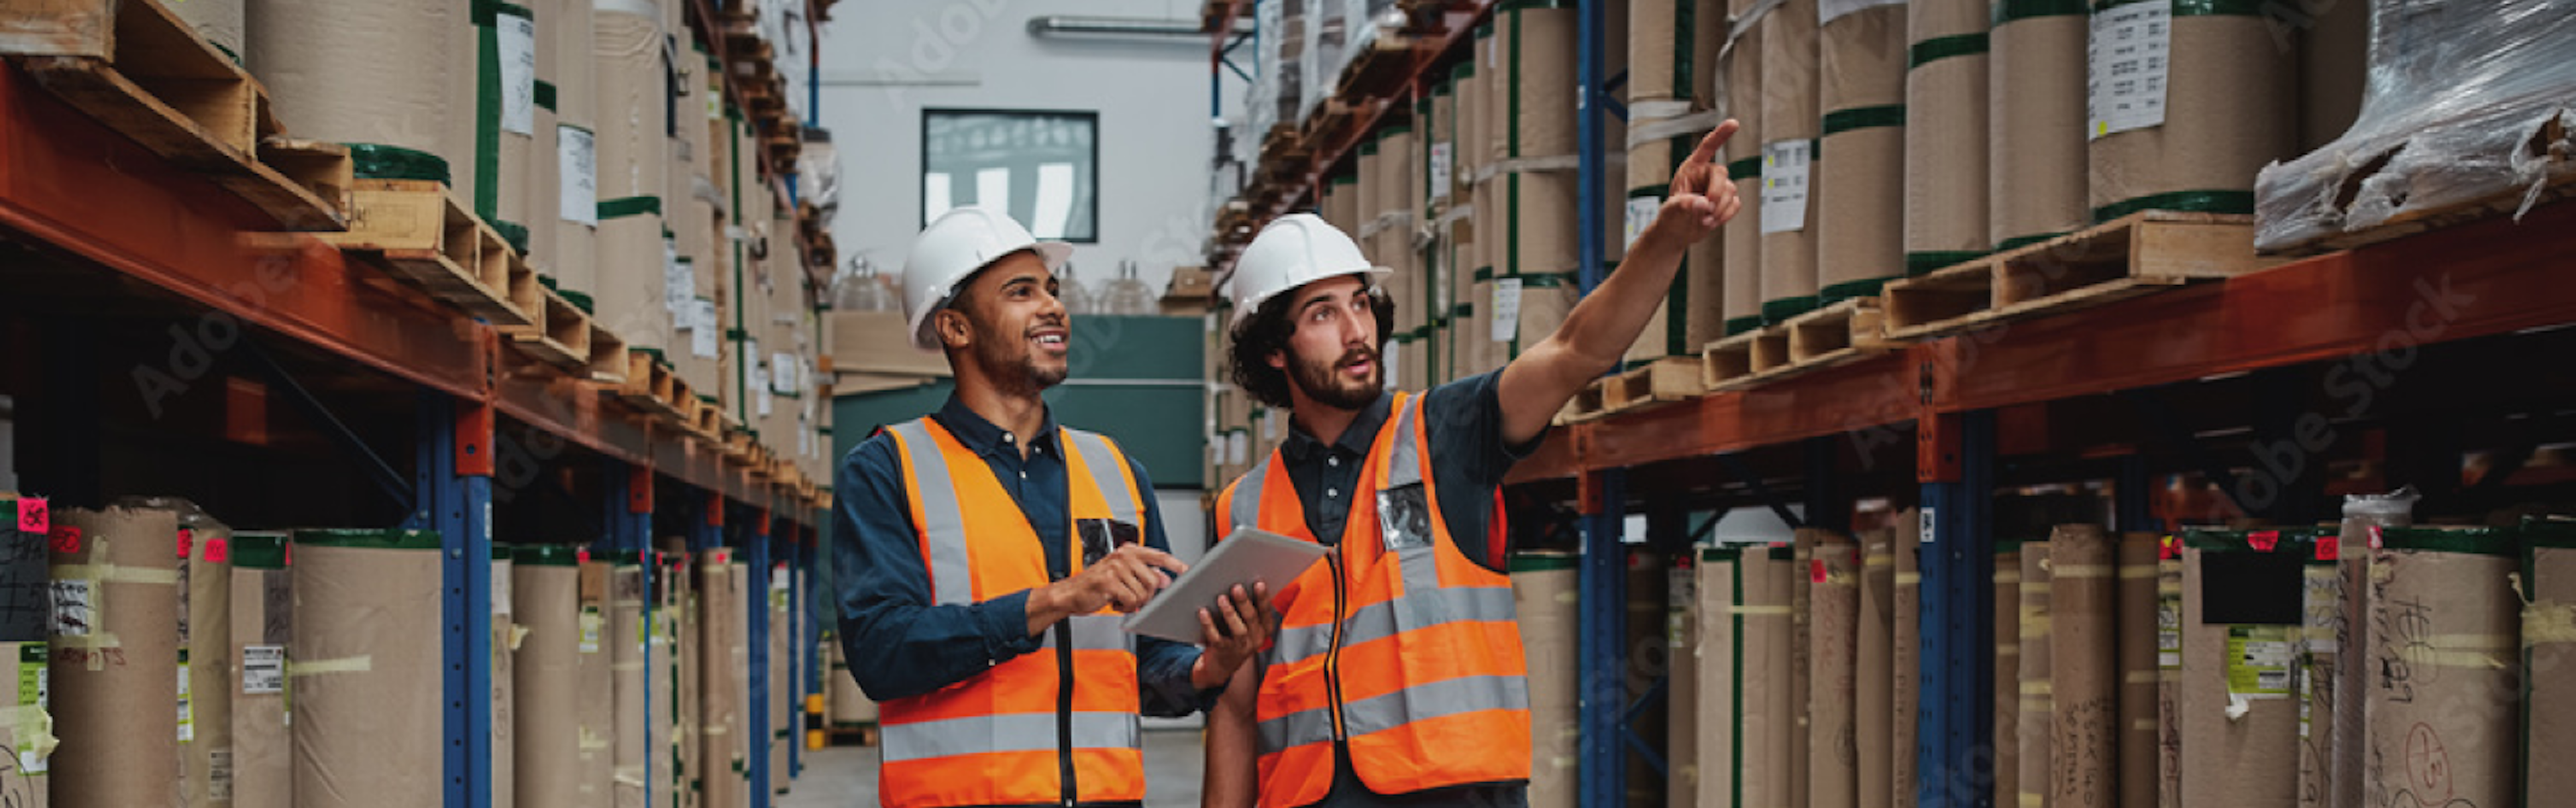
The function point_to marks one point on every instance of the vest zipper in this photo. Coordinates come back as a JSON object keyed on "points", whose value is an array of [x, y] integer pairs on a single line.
{"points": [[1333, 652], [1064, 708]]}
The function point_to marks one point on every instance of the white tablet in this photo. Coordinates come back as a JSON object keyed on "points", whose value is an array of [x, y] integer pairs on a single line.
{"points": [[1246, 556]]}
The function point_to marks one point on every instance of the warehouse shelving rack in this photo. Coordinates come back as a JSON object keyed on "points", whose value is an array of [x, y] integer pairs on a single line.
{"points": [[2410, 361], [98, 234]]}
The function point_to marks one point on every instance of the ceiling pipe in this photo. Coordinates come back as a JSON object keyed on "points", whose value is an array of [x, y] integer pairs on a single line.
{"points": [[1064, 25]]}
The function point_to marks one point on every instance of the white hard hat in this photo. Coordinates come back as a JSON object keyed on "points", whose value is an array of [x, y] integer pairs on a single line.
{"points": [[1298, 249], [953, 248]]}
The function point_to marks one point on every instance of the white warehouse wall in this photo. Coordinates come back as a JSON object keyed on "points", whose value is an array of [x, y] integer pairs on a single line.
{"points": [[884, 61]]}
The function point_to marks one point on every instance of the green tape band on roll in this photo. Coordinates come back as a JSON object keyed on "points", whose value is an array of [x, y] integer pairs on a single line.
{"points": [[1541, 562], [2018, 242], [228, 53], [487, 105], [1649, 192], [625, 206], [1368, 148], [1845, 120], [1395, 129], [1746, 168], [2197, 8], [373, 161], [1685, 42], [1939, 48], [371, 539], [579, 300], [1866, 287], [1547, 280], [2011, 10], [1346, 179], [2476, 541], [1924, 263], [1775, 312], [547, 555], [549, 282], [1512, 127], [1465, 69], [514, 233], [266, 551], [2239, 202], [1719, 553], [2554, 534], [546, 95], [1483, 274], [1740, 325], [2242, 541]]}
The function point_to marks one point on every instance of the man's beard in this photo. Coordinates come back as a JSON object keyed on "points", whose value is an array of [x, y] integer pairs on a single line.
{"points": [[1017, 374], [1323, 381]]}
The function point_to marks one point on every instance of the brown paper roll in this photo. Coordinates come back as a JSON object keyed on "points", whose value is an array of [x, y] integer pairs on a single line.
{"points": [[2441, 710], [2137, 658], [568, 249], [1653, 32], [1861, 59], [2037, 692], [2334, 60], [1945, 160], [206, 761], [1770, 726], [1833, 728], [2007, 689], [2250, 760], [262, 622], [1717, 640], [1539, 222], [2321, 640], [1682, 764], [503, 748], [1874, 694], [780, 688], [1371, 195], [629, 83], [630, 301], [1546, 601], [594, 683], [1648, 579], [665, 748], [397, 73], [723, 728], [2035, 134], [635, 705], [1789, 113], [1740, 273], [1802, 649], [1537, 51], [110, 677], [366, 675], [1861, 196], [1649, 172], [2084, 668], [547, 599], [1907, 660], [1704, 270], [2169, 681], [2229, 111], [2551, 653], [24, 787], [688, 716], [1742, 240]]}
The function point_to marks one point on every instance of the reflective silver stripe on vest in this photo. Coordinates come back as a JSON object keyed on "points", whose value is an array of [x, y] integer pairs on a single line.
{"points": [[1465, 694], [943, 528], [1097, 632], [1105, 464], [1404, 466], [1376, 621], [1017, 732], [1295, 729], [1247, 499]]}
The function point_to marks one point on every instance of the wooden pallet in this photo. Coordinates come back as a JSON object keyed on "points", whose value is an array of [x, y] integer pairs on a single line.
{"points": [[139, 69], [649, 387], [1665, 381], [1833, 335], [1589, 404], [419, 232], [608, 356], [2561, 184], [559, 334], [1378, 68], [2130, 256]]}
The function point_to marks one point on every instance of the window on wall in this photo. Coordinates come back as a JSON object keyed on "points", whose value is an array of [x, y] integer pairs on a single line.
{"points": [[1040, 166]]}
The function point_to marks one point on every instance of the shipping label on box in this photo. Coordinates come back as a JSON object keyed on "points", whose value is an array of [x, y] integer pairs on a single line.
{"points": [[517, 38], [577, 161], [263, 670], [2127, 59], [1785, 167]]}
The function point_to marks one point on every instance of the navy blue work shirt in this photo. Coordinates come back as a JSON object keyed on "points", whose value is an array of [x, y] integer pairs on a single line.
{"points": [[898, 643]]}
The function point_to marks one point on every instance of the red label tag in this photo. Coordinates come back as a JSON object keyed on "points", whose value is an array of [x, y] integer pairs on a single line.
{"points": [[2375, 538], [66, 539], [2264, 540], [724, 557], [187, 542], [2329, 548], [34, 516], [1816, 570], [218, 551], [582, 555], [2168, 548]]}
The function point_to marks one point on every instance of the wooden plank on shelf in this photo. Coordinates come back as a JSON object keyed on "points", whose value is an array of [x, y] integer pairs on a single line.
{"points": [[648, 385], [1589, 404], [560, 337], [607, 363], [2134, 255], [1664, 381], [421, 233]]}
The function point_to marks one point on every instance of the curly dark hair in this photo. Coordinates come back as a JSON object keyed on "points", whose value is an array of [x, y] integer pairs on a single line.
{"points": [[1268, 329]]}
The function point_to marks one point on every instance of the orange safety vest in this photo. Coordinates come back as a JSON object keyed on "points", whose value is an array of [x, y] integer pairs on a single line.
{"points": [[1410, 654], [1013, 734]]}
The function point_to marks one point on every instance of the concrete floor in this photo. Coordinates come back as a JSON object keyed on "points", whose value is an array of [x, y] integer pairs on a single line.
{"points": [[846, 776]]}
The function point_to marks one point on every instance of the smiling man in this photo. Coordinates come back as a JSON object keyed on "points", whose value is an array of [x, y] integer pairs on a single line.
{"points": [[1397, 677], [983, 554]]}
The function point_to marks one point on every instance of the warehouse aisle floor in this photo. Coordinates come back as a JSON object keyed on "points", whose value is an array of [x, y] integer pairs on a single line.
{"points": [[846, 776]]}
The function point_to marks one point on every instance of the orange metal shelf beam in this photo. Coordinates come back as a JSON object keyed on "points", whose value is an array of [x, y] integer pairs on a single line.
{"points": [[2488, 278], [69, 182]]}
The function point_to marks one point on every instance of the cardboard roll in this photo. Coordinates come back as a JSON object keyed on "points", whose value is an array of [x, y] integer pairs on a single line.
{"points": [[402, 73], [2035, 128], [1945, 162], [2229, 111], [1860, 236]]}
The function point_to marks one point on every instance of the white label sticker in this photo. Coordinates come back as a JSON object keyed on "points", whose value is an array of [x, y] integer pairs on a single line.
{"points": [[1507, 310], [2126, 67], [187, 712], [263, 669], [679, 286], [219, 775], [783, 374], [1784, 185], [518, 43], [74, 614], [1931, 517], [577, 155], [1440, 172], [1641, 213], [702, 337], [590, 623], [1238, 447], [500, 584], [1390, 368], [1827, 11], [761, 398]]}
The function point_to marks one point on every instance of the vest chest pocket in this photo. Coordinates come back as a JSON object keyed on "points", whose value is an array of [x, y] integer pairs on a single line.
{"points": [[1100, 537], [1404, 518]]}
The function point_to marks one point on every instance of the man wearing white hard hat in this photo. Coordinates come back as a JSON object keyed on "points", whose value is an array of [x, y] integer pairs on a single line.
{"points": [[983, 553], [1396, 677]]}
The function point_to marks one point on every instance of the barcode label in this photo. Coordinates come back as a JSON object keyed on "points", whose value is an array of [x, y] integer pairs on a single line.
{"points": [[263, 669]]}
